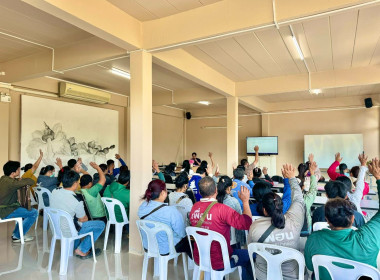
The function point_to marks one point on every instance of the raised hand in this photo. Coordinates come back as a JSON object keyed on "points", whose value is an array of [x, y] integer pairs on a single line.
{"points": [[41, 153], [250, 176], [313, 167], [338, 158], [256, 148], [155, 166], [244, 194], [311, 158], [117, 156], [94, 165], [265, 170], [58, 162], [374, 168], [288, 171], [363, 159], [210, 155]]}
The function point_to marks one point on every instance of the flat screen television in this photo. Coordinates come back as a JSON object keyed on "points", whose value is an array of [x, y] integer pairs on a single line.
{"points": [[268, 145]]}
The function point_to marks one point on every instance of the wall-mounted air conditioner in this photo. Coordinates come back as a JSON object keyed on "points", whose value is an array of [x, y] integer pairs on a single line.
{"points": [[83, 93]]}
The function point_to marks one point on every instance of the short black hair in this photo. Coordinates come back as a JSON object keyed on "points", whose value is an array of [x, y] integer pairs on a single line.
{"points": [[27, 167], [69, 178], [103, 167], [124, 177], [207, 186], [194, 154], [71, 163], [346, 181], [256, 172], [181, 180], [85, 180], [110, 161], [201, 170], [339, 212], [10, 167], [355, 171], [243, 161], [61, 172], [342, 167], [336, 189], [239, 174]]}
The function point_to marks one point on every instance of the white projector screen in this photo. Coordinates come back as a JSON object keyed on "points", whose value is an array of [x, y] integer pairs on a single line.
{"points": [[324, 148], [268, 145]]}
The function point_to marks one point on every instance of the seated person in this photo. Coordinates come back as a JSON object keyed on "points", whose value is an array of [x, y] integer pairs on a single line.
{"points": [[186, 168], [154, 209], [197, 161], [224, 196], [29, 170], [341, 241], [285, 229], [156, 171], [9, 205], [91, 193], [179, 196], [66, 199], [223, 218], [309, 196], [238, 183], [257, 175], [111, 165], [47, 180], [193, 183], [343, 169], [109, 177], [170, 169], [77, 165], [249, 167], [120, 190], [335, 189]]}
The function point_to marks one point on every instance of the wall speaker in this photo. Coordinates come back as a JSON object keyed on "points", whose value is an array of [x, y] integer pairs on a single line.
{"points": [[188, 115], [368, 102]]}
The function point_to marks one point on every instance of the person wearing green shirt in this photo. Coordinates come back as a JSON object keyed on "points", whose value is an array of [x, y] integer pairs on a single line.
{"points": [[120, 190], [310, 195], [361, 245], [91, 193]]}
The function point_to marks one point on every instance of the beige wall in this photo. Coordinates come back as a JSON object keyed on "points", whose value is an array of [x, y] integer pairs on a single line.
{"points": [[289, 127]]}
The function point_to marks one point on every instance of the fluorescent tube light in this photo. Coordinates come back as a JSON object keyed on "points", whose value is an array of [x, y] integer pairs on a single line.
{"points": [[121, 73], [204, 102], [298, 47], [316, 91]]}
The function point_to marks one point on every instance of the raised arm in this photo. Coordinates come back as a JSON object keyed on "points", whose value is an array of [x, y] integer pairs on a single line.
{"points": [[212, 160], [118, 157], [58, 162], [332, 169], [267, 177], [37, 163], [286, 196], [158, 171], [309, 197], [356, 197], [102, 177], [256, 156], [244, 195]]}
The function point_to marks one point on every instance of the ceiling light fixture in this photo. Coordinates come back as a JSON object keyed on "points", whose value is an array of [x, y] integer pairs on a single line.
{"points": [[121, 73], [298, 47], [204, 103], [316, 91]]}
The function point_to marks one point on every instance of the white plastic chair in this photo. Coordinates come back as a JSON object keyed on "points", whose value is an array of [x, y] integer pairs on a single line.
{"points": [[110, 204], [203, 238], [56, 217], [19, 223], [356, 270], [274, 262], [151, 229], [39, 191], [321, 225], [233, 241]]}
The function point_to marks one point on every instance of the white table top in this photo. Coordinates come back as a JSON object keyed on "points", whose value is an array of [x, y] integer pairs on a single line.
{"points": [[365, 204]]}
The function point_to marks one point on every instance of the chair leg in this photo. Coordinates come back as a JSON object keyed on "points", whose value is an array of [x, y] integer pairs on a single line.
{"points": [[163, 268], [65, 247], [51, 254], [184, 265], [190, 263], [156, 271], [145, 267], [240, 272], [71, 248], [45, 221], [196, 273], [118, 237], [92, 245], [106, 236], [38, 213], [175, 261]]}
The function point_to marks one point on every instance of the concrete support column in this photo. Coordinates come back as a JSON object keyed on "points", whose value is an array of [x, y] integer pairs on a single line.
{"points": [[232, 133], [140, 138], [265, 125]]}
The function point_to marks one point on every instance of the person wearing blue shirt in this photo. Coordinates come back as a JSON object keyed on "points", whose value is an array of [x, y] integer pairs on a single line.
{"points": [[237, 183], [154, 209], [111, 165], [194, 182]]}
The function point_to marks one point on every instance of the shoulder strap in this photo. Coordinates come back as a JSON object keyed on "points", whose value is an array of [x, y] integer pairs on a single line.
{"points": [[154, 210], [203, 218], [266, 233], [180, 199]]}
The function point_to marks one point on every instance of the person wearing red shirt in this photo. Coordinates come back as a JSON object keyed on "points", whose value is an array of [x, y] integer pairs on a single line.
{"points": [[221, 218]]}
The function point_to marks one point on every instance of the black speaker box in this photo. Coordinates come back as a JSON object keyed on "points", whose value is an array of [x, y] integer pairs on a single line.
{"points": [[188, 115], [368, 102]]}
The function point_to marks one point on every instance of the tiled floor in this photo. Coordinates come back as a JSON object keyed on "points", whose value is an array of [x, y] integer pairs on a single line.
{"points": [[33, 258]]}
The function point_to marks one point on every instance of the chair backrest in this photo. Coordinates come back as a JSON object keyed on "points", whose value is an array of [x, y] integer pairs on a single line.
{"points": [[355, 269], [320, 225], [110, 204], [40, 191], [203, 238], [276, 259], [233, 240], [254, 218], [61, 223], [151, 229]]}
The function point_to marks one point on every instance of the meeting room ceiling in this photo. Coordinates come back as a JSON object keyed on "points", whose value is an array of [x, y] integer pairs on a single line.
{"points": [[145, 10], [340, 41]]}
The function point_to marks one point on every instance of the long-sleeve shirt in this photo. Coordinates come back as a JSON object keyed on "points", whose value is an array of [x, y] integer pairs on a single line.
{"points": [[332, 171], [361, 245], [357, 195], [309, 198], [116, 171], [8, 193], [235, 190], [288, 236]]}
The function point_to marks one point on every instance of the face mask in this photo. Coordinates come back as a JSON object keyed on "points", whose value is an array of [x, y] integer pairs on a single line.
{"points": [[346, 174]]}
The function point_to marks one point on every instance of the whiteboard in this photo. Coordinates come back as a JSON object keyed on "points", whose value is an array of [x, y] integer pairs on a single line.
{"points": [[324, 148]]}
